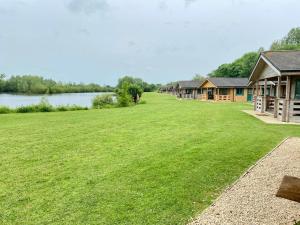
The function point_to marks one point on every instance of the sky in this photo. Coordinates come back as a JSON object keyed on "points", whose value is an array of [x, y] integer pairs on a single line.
{"points": [[157, 40]]}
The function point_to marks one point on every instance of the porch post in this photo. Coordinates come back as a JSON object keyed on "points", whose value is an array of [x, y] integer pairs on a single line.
{"points": [[256, 94], [278, 88], [265, 96], [288, 93], [206, 93]]}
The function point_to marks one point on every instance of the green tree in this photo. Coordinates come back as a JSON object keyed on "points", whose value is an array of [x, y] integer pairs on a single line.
{"points": [[199, 77], [290, 42], [146, 87], [123, 96], [2, 82], [38, 85], [241, 67], [135, 91]]}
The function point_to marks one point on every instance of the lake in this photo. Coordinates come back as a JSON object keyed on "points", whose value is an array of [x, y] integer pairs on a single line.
{"points": [[82, 99]]}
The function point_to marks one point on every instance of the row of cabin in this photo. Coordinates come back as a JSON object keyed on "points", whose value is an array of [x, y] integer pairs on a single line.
{"points": [[215, 88], [273, 87]]}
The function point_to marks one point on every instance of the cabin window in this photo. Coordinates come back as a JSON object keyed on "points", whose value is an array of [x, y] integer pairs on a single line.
{"points": [[239, 91], [223, 91], [297, 90], [199, 91], [188, 91]]}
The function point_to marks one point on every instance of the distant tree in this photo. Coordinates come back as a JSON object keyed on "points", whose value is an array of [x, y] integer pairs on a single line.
{"points": [[199, 77], [130, 80], [146, 87], [241, 67], [38, 85], [290, 42], [2, 82]]}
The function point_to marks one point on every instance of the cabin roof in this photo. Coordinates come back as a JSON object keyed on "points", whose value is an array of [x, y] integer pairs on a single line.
{"points": [[190, 84], [228, 82], [284, 61]]}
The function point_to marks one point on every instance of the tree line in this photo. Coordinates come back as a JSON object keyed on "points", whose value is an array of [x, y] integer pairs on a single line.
{"points": [[29, 84], [243, 66]]}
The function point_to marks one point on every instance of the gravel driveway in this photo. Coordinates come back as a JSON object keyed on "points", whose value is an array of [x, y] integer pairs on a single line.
{"points": [[251, 200]]}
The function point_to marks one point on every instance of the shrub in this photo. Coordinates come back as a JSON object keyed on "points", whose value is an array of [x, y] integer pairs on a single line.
{"points": [[142, 102], [5, 110], [123, 96], [44, 106], [63, 108], [103, 101], [26, 109], [76, 107], [135, 91]]}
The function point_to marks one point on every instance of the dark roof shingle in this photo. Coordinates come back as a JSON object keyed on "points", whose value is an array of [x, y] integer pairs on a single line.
{"points": [[190, 84], [229, 82], [284, 60]]}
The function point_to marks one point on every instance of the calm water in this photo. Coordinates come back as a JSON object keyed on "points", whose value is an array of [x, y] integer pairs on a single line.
{"points": [[82, 99]]}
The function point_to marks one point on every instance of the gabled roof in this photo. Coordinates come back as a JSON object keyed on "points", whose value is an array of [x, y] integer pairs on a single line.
{"points": [[228, 82], [190, 84], [283, 60]]}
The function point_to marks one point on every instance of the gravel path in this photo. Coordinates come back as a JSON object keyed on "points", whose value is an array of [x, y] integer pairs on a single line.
{"points": [[251, 200]]}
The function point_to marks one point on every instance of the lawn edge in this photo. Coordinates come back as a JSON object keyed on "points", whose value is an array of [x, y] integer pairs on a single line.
{"points": [[247, 171]]}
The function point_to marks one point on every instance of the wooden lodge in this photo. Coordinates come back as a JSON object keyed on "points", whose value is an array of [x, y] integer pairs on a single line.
{"points": [[225, 89], [169, 89], [188, 89], [276, 84]]}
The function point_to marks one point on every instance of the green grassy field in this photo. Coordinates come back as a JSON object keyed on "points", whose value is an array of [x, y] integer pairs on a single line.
{"points": [[158, 163]]}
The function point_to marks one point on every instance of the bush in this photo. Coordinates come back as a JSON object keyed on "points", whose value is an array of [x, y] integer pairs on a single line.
{"points": [[26, 109], [76, 107], [135, 91], [5, 110], [123, 96], [62, 108], [103, 101], [44, 106]]}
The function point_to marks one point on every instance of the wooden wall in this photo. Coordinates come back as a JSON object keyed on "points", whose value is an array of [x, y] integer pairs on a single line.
{"points": [[241, 98]]}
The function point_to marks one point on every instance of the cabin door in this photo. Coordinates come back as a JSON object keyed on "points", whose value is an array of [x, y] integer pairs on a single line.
{"points": [[249, 95], [210, 94]]}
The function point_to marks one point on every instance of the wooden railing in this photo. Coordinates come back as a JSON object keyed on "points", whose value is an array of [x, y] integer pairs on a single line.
{"points": [[270, 103], [294, 111], [223, 97], [202, 96], [281, 109], [259, 104]]}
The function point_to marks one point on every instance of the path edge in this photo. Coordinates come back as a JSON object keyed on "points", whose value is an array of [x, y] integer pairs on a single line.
{"points": [[247, 171]]}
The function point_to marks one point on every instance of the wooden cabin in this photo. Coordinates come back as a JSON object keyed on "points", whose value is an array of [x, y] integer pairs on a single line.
{"points": [[225, 89], [276, 84], [168, 89], [189, 89]]}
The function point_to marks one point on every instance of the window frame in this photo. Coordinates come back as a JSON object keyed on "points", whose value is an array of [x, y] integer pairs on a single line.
{"points": [[237, 91], [297, 88]]}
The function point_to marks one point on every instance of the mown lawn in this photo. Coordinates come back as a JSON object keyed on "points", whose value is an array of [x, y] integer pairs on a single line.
{"points": [[158, 163]]}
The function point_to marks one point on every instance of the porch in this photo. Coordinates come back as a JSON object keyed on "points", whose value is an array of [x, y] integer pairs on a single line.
{"points": [[278, 96], [215, 94], [188, 93]]}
